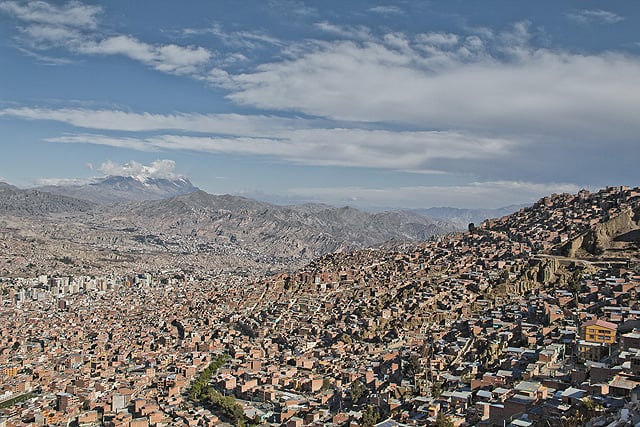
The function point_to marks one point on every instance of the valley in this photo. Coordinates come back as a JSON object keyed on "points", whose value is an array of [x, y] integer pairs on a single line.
{"points": [[478, 327]]}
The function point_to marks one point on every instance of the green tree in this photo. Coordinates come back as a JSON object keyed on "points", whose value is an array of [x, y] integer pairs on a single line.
{"points": [[370, 416], [414, 368], [357, 391], [589, 404], [436, 390], [443, 421], [575, 284]]}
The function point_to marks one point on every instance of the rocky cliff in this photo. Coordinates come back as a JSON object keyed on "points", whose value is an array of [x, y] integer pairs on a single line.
{"points": [[605, 236]]}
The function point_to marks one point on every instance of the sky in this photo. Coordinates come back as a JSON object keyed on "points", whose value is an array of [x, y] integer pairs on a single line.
{"points": [[405, 104]]}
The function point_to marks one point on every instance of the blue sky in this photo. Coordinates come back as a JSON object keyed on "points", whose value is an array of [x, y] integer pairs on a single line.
{"points": [[370, 104]]}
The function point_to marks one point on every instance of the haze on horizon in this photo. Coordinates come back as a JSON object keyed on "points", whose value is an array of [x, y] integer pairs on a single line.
{"points": [[404, 104]]}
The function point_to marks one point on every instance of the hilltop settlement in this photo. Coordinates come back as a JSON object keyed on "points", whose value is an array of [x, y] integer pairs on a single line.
{"points": [[527, 320]]}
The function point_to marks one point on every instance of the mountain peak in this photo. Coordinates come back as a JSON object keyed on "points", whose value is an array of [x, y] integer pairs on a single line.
{"points": [[6, 186], [118, 188]]}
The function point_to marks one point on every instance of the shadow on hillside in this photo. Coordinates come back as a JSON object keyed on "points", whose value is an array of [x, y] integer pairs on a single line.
{"points": [[631, 236]]}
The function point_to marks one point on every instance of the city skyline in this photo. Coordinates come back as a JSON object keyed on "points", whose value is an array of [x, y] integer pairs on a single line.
{"points": [[398, 104]]}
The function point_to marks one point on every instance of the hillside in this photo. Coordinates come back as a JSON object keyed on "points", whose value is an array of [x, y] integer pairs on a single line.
{"points": [[14, 201], [197, 230], [269, 230], [577, 225], [503, 256], [204, 232]]}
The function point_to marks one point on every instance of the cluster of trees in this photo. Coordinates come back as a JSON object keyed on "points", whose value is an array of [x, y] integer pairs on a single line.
{"points": [[370, 413], [443, 421], [357, 391], [202, 392], [200, 386], [370, 416], [20, 398], [227, 405]]}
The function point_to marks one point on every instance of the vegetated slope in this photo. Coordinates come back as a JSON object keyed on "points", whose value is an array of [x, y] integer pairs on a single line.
{"points": [[114, 189], [17, 202]]}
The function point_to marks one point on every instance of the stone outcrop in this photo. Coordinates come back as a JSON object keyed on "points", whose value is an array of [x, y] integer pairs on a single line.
{"points": [[601, 237]]}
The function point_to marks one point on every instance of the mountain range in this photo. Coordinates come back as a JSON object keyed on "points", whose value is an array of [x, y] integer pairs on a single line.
{"points": [[116, 189], [125, 222]]}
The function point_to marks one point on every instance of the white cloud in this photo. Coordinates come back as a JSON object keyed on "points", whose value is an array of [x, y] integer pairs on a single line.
{"points": [[438, 39], [116, 120], [73, 27], [168, 58], [473, 43], [397, 41], [291, 7], [293, 139], [359, 32], [537, 91], [48, 35], [45, 59], [72, 14], [157, 169], [239, 39], [60, 181], [122, 45], [163, 168], [491, 194], [347, 147], [408, 151], [130, 143], [387, 10], [589, 16]]}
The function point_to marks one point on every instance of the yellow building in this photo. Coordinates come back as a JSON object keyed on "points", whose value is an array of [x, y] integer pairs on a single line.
{"points": [[11, 371], [599, 331], [597, 337]]}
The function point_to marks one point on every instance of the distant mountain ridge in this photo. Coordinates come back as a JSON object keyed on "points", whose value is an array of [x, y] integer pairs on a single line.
{"points": [[463, 217], [222, 232], [284, 231], [115, 189], [15, 201], [201, 232]]}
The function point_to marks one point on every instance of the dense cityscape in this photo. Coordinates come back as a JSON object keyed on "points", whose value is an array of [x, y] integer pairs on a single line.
{"points": [[292, 213], [530, 319]]}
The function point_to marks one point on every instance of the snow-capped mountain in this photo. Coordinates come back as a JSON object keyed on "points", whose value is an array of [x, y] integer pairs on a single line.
{"points": [[114, 189]]}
